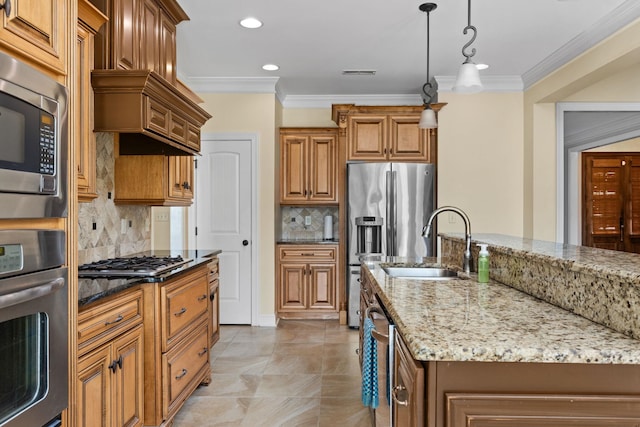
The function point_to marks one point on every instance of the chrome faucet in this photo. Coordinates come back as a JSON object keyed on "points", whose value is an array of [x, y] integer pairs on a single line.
{"points": [[467, 259]]}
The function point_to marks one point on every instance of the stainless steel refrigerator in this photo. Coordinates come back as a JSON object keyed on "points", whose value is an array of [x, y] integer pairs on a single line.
{"points": [[388, 204]]}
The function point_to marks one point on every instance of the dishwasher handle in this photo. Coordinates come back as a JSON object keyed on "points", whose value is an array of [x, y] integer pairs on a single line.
{"points": [[377, 335]]}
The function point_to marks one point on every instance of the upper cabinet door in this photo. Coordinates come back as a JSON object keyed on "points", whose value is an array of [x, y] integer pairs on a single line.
{"points": [[293, 172], [323, 182], [167, 60], [407, 141], [367, 137], [149, 45], [37, 30]]}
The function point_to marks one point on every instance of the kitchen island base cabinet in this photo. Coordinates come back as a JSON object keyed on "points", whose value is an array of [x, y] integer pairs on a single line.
{"points": [[501, 394]]}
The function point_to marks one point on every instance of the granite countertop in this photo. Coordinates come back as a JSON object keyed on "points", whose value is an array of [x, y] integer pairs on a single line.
{"points": [[463, 320], [90, 289], [308, 241]]}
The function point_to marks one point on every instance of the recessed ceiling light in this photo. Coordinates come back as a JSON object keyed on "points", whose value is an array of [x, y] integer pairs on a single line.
{"points": [[482, 66], [270, 67], [251, 23]]}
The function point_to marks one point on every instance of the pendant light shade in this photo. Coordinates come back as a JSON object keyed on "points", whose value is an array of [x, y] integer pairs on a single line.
{"points": [[428, 119], [468, 80]]}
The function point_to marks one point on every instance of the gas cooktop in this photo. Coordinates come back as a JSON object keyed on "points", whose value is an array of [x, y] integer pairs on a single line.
{"points": [[136, 266]]}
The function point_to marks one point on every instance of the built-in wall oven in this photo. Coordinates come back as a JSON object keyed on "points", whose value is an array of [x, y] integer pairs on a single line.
{"points": [[34, 135], [33, 328]]}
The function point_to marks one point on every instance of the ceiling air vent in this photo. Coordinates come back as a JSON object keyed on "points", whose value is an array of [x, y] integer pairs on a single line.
{"points": [[358, 72]]}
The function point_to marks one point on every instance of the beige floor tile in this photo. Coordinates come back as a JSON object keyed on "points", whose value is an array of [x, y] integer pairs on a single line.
{"points": [[304, 324], [307, 349], [300, 335], [341, 385], [339, 411], [298, 385], [255, 334], [254, 365], [282, 412], [230, 385], [210, 411], [293, 364], [242, 349]]}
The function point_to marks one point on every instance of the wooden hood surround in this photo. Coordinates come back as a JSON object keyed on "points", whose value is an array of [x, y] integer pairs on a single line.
{"points": [[136, 92]]}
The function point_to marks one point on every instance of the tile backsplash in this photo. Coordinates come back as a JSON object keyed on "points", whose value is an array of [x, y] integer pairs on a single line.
{"points": [[293, 225], [100, 223]]}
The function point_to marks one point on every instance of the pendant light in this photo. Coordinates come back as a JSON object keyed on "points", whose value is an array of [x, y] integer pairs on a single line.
{"points": [[428, 116], [468, 80]]}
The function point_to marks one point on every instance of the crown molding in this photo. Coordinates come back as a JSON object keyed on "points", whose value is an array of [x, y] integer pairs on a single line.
{"points": [[232, 84], [489, 83], [620, 17], [602, 130], [325, 101]]}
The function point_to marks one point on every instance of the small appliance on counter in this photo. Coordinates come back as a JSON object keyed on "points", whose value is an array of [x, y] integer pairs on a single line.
{"points": [[328, 228]]}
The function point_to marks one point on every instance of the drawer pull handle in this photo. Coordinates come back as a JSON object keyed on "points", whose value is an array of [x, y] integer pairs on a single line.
{"points": [[182, 311], [308, 254], [7, 7], [202, 297], [394, 394], [182, 374], [212, 297], [116, 320], [203, 352]]}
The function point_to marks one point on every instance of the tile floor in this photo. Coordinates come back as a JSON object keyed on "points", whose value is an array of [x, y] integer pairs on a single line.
{"points": [[302, 373]]}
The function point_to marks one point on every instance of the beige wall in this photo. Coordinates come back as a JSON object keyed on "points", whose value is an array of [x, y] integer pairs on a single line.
{"points": [[630, 145], [254, 113]]}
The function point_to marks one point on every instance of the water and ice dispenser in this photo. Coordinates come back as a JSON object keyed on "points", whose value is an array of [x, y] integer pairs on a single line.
{"points": [[369, 235]]}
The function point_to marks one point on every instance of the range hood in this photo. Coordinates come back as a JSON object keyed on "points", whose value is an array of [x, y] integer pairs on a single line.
{"points": [[151, 115]]}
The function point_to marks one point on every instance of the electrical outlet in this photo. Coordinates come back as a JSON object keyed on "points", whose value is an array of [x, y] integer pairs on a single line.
{"points": [[452, 218], [307, 220], [162, 216], [123, 226]]}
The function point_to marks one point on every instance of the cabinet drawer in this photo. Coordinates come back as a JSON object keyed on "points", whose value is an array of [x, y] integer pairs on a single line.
{"points": [[193, 137], [178, 128], [183, 364], [312, 253], [182, 303], [108, 318]]}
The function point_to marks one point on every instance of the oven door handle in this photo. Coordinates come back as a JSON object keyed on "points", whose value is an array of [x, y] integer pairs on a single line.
{"points": [[31, 293], [375, 334]]}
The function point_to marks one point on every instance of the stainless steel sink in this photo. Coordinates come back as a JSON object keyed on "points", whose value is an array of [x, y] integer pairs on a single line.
{"points": [[426, 273]]}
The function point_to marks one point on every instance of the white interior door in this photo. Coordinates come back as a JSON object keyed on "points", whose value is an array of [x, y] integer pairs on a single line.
{"points": [[224, 197]]}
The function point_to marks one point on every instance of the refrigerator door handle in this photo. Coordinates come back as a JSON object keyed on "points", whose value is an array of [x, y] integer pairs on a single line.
{"points": [[392, 212]]}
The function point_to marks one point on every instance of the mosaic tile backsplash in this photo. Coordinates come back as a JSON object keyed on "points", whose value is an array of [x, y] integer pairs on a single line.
{"points": [[100, 222], [294, 228]]}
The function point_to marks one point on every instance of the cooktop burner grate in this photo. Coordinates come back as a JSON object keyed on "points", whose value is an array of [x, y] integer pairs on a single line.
{"points": [[131, 266]]}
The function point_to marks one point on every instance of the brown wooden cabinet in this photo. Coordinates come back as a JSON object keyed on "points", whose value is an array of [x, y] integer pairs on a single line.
{"points": [[37, 31], [90, 19], [308, 166], [407, 390], [380, 133], [176, 342], [142, 36], [307, 281], [154, 180], [110, 381], [214, 298]]}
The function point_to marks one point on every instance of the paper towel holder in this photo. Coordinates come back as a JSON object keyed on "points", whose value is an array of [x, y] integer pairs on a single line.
{"points": [[328, 227]]}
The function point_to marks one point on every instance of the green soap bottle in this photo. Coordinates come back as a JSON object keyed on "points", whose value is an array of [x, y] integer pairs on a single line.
{"points": [[483, 264]]}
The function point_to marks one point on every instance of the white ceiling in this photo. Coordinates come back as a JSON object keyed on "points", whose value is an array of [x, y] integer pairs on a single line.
{"points": [[313, 42]]}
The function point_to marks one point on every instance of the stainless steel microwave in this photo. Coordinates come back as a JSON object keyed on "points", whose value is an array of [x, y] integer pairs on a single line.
{"points": [[33, 142]]}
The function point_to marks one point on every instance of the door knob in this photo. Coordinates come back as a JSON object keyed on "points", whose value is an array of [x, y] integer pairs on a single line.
{"points": [[245, 242]]}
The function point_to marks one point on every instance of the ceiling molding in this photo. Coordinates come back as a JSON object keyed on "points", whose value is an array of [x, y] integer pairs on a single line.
{"points": [[489, 83], [325, 101], [232, 84], [620, 17]]}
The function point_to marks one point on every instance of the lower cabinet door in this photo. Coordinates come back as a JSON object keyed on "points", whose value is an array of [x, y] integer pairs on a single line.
{"points": [[323, 286], [94, 388], [407, 392], [129, 378]]}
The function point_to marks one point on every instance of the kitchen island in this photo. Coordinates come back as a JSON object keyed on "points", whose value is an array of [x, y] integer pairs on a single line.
{"points": [[471, 354]]}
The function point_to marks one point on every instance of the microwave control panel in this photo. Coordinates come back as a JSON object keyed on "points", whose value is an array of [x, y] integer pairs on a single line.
{"points": [[47, 144], [11, 258]]}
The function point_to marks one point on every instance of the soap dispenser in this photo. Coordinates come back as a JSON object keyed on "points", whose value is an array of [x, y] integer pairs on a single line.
{"points": [[483, 264]]}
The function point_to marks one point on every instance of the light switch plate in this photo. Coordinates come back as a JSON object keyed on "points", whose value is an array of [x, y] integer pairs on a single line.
{"points": [[307, 220]]}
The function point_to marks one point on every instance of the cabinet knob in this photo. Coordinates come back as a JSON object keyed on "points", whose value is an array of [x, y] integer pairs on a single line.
{"points": [[7, 7]]}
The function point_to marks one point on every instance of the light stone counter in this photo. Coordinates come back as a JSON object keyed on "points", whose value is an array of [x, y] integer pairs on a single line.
{"points": [[463, 320]]}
